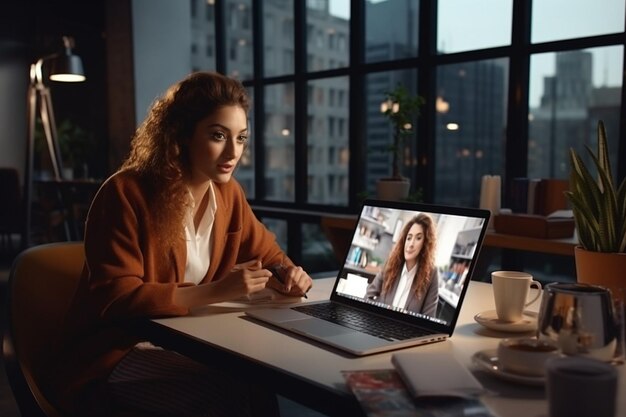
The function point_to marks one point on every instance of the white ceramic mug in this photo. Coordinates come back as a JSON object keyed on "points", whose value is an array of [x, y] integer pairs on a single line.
{"points": [[510, 292], [526, 355]]}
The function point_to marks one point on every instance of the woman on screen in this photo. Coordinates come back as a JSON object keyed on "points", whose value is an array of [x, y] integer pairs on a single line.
{"points": [[409, 279], [171, 230]]}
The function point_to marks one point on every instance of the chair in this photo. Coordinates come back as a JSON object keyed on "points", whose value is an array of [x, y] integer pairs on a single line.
{"points": [[41, 284]]}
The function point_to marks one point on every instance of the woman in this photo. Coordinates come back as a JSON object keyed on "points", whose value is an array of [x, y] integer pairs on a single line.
{"points": [[171, 230], [409, 279]]}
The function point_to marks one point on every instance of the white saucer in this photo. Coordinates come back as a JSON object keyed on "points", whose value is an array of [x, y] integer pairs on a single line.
{"points": [[487, 360], [490, 320]]}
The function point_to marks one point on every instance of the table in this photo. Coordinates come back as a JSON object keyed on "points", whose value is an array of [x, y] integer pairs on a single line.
{"points": [[309, 373], [557, 246]]}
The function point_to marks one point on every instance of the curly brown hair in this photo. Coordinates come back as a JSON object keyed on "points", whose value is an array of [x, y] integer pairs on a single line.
{"points": [[159, 149], [425, 259]]}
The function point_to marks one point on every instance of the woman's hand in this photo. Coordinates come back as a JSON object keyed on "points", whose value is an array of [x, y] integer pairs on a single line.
{"points": [[244, 279], [293, 280]]}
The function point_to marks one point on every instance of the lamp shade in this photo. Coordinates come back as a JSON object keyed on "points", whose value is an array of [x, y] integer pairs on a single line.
{"points": [[67, 67]]}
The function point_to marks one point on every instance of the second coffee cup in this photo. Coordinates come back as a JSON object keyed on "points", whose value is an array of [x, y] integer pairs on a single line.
{"points": [[510, 292], [526, 355]]}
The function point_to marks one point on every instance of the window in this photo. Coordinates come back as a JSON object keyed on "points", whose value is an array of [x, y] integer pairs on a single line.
{"points": [[278, 35], [391, 30], [577, 18], [570, 91], [469, 128], [239, 39], [378, 129], [245, 171], [324, 137], [504, 97], [203, 38], [279, 141], [456, 32]]}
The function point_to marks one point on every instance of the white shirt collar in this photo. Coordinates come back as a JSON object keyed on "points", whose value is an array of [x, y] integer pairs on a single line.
{"points": [[404, 286], [199, 241]]}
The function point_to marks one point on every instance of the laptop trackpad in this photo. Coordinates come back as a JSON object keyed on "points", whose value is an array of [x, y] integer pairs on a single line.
{"points": [[339, 336], [357, 342], [317, 327]]}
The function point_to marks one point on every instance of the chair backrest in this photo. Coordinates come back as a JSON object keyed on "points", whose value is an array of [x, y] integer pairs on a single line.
{"points": [[41, 286]]}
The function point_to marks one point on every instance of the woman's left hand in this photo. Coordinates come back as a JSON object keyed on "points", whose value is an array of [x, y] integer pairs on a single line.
{"points": [[294, 280]]}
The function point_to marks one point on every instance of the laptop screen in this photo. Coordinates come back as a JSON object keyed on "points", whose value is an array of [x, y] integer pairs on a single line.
{"points": [[412, 259]]}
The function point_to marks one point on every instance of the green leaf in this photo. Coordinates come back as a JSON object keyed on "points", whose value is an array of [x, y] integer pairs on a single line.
{"points": [[599, 209]]}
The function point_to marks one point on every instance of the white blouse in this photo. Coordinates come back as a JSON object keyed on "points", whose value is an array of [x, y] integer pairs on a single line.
{"points": [[199, 241], [404, 286]]}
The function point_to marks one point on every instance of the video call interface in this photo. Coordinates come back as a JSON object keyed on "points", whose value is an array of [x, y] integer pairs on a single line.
{"points": [[380, 229]]}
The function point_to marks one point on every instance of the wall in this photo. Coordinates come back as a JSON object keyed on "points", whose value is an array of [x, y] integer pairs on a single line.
{"points": [[161, 28], [13, 85]]}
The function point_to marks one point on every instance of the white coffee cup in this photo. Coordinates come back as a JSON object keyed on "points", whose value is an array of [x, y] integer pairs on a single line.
{"points": [[526, 355], [510, 292]]}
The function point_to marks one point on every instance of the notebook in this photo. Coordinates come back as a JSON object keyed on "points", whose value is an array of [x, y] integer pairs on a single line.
{"points": [[380, 300]]}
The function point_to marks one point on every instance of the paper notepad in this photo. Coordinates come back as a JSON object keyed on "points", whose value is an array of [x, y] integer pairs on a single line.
{"points": [[434, 374], [269, 295]]}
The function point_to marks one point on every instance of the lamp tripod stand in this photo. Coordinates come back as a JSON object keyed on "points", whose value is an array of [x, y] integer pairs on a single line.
{"points": [[67, 68]]}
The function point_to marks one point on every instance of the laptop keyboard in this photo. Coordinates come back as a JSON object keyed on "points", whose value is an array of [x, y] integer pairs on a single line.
{"points": [[362, 321]]}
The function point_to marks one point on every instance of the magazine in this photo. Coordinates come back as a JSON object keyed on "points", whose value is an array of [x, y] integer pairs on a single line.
{"points": [[382, 393]]}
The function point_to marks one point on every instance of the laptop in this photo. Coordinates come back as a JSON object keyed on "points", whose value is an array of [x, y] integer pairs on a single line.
{"points": [[380, 300]]}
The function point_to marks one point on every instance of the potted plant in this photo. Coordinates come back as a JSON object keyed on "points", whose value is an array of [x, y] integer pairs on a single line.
{"points": [[401, 108], [599, 208], [75, 144]]}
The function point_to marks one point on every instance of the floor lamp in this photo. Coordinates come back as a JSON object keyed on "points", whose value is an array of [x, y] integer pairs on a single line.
{"points": [[63, 67]]}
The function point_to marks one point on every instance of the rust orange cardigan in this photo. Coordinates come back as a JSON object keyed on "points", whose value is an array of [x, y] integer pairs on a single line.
{"points": [[127, 276]]}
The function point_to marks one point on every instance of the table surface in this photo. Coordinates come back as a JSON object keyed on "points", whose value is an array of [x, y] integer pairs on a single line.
{"points": [[310, 373], [556, 246]]}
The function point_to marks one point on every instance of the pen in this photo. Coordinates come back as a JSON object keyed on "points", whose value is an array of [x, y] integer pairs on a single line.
{"points": [[274, 270]]}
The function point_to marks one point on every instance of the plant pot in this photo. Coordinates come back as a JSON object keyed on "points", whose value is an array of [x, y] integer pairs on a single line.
{"points": [[601, 268], [392, 188]]}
